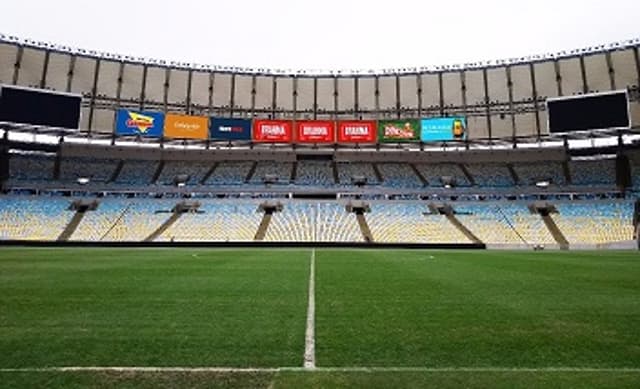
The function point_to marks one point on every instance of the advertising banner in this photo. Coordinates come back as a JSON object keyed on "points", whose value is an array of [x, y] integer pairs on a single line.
{"points": [[441, 129], [143, 123], [232, 129], [315, 131], [277, 131], [187, 127], [398, 130], [357, 131]]}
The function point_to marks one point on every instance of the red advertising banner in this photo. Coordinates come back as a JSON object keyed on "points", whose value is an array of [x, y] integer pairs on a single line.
{"points": [[357, 131], [315, 131], [277, 131]]}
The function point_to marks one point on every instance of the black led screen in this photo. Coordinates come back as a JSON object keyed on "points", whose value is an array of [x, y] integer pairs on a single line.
{"points": [[39, 107], [590, 112]]}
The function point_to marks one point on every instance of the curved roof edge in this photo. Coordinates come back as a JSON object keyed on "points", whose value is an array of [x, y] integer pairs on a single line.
{"points": [[620, 45]]}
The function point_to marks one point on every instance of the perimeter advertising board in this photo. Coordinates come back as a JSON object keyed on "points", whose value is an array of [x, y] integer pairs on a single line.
{"points": [[230, 128], [142, 123], [394, 131], [357, 131], [186, 127], [276, 131], [315, 131], [443, 129]]}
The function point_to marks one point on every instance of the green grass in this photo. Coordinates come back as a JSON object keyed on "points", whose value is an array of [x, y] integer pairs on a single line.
{"points": [[297, 380], [374, 308], [152, 307], [470, 309]]}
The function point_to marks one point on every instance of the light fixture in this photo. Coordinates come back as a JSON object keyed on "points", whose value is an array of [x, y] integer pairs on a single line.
{"points": [[542, 184], [448, 181], [83, 180], [180, 180]]}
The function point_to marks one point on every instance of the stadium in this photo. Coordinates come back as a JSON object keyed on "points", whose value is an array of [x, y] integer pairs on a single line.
{"points": [[169, 224]]}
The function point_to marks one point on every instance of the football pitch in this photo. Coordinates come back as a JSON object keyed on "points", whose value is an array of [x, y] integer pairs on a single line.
{"points": [[99, 317]]}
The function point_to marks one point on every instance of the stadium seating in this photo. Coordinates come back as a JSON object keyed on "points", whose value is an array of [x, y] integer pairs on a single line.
{"points": [[95, 225], [230, 173], [595, 222], [33, 218], [488, 223], [347, 170], [398, 175], [281, 170], [195, 170], [532, 173], [123, 220], [137, 173], [583, 222], [529, 226], [397, 222], [141, 219], [37, 168], [433, 173], [320, 222], [31, 167], [100, 171], [490, 175], [136, 219], [314, 173], [593, 172], [216, 221], [504, 223]]}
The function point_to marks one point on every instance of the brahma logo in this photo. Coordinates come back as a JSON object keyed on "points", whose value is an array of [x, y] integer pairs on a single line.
{"points": [[312, 130], [356, 130], [275, 129], [315, 131], [272, 131], [142, 122]]}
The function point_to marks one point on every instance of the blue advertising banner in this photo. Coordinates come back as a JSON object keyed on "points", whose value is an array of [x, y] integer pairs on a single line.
{"points": [[143, 123], [228, 128], [442, 129]]}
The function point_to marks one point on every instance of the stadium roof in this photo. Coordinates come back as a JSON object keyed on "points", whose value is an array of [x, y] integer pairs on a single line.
{"points": [[356, 37]]}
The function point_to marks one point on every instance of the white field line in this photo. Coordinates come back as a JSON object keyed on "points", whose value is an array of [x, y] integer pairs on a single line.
{"points": [[310, 334], [141, 369], [354, 369], [489, 369]]}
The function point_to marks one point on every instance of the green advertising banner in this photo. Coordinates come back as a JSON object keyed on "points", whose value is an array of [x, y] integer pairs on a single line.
{"points": [[393, 131]]}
